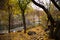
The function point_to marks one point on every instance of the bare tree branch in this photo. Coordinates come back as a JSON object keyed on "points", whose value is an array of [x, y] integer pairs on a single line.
{"points": [[46, 10], [50, 18], [56, 5]]}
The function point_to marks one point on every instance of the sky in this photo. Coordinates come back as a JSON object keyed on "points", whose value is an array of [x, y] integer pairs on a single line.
{"points": [[36, 7]]}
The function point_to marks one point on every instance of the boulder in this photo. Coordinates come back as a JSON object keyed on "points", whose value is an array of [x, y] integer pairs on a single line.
{"points": [[31, 33]]}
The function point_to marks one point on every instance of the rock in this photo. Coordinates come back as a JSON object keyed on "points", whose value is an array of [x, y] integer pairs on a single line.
{"points": [[37, 29], [31, 33], [19, 31]]}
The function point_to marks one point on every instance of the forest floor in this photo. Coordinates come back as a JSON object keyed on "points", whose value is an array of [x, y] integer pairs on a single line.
{"points": [[36, 33]]}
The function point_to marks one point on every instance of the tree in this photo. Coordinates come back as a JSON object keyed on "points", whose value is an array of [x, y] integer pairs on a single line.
{"points": [[3, 7], [56, 5], [48, 15], [10, 16], [23, 5], [2, 4]]}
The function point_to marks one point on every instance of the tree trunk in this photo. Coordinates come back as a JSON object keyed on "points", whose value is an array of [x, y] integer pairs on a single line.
{"points": [[24, 22], [53, 1], [9, 11], [50, 18]]}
